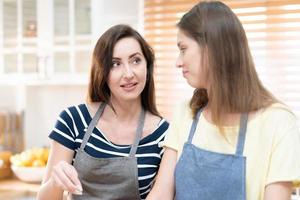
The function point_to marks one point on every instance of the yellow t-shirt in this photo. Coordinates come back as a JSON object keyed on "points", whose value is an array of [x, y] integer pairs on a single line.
{"points": [[272, 144]]}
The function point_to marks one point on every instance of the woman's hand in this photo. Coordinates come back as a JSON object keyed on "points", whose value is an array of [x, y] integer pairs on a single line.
{"points": [[65, 177], [60, 174]]}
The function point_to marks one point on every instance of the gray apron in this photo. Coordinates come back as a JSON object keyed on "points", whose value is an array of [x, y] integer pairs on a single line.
{"points": [[113, 178], [205, 175]]}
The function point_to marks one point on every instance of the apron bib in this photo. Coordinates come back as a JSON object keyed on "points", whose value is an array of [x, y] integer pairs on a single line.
{"points": [[205, 175], [108, 178]]}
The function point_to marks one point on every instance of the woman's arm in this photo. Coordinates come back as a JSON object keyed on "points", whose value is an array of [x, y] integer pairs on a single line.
{"points": [[278, 191], [60, 174], [164, 184]]}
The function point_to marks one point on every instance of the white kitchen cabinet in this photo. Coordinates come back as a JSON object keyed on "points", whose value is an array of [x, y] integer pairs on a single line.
{"points": [[72, 41], [19, 39], [48, 41], [44, 38]]}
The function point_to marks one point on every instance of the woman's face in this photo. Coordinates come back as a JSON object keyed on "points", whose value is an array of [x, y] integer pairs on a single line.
{"points": [[189, 60], [127, 77]]}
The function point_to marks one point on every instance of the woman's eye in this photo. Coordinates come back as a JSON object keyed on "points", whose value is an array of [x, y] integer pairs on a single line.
{"points": [[136, 61], [116, 64], [182, 50]]}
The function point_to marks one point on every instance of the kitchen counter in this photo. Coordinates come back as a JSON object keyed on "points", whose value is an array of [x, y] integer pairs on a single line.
{"points": [[14, 184], [14, 189]]}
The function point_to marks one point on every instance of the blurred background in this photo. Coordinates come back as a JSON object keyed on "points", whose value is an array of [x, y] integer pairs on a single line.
{"points": [[46, 46]]}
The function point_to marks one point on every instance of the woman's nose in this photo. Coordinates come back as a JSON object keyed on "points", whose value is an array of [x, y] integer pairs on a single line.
{"points": [[128, 73], [179, 62]]}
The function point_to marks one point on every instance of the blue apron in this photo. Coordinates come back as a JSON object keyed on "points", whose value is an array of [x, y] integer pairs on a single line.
{"points": [[205, 175]]}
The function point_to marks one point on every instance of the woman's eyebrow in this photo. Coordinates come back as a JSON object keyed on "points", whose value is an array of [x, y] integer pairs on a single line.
{"points": [[134, 54], [130, 56]]}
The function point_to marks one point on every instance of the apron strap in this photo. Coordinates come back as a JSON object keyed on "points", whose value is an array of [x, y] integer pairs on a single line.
{"points": [[92, 125], [242, 131], [242, 134], [194, 126], [139, 133]]}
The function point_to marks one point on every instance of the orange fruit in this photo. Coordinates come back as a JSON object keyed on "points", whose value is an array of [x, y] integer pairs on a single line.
{"points": [[38, 163]]}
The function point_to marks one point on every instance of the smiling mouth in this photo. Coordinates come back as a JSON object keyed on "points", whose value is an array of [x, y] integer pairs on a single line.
{"points": [[128, 85]]}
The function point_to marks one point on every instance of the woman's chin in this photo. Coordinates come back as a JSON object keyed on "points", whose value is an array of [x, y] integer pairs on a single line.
{"points": [[193, 83]]}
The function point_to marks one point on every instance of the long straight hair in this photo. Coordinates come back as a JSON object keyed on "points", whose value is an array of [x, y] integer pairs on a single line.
{"points": [[98, 90], [233, 83]]}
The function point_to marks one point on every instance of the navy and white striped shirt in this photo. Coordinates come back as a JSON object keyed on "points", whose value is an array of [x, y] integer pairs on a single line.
{"points": [[72, 123]]}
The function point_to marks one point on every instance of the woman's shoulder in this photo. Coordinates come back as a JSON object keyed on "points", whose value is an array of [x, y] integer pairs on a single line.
{"points": [[279, 111], [155, 128], [70, 111], [155, 121], [73, 107], [182, 110], [277, 115]]}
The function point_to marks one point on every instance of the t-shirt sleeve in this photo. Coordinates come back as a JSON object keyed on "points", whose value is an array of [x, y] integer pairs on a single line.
{"points": [[63, 131], [285, 155], [172, 135]]}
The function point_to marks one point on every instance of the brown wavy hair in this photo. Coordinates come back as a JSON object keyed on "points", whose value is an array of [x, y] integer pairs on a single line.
{"points": [[98, 90], [233, 83]]}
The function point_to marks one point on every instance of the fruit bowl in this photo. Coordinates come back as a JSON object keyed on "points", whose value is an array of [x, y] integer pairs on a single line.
{"points": [[29, 174], [30, 165]]}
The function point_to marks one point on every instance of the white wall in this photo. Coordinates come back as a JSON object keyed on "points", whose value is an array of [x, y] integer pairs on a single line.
{"points": [[112, 12], [43, 105], [9, 97]]}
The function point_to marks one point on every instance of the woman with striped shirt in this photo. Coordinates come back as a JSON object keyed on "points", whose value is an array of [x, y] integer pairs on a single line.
{"points": [[108, 148]]}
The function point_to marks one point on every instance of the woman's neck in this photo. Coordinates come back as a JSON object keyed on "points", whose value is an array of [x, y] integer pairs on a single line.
{"points": [[229, 119], [124, 111]]}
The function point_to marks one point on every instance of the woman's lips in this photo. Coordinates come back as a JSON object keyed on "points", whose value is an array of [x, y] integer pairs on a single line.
{"points": [[184, 73], [129, 86]]}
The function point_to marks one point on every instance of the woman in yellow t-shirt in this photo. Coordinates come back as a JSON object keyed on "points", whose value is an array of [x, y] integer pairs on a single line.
{"points": [[233, 140]]}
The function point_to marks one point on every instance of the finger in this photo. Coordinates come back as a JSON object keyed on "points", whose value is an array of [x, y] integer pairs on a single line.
{"points": [[77, 192], [58, 182], [73, 175], [61, 173]]}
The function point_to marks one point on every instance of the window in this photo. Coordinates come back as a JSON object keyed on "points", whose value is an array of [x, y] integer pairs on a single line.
{"points": [[273, 31]]}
